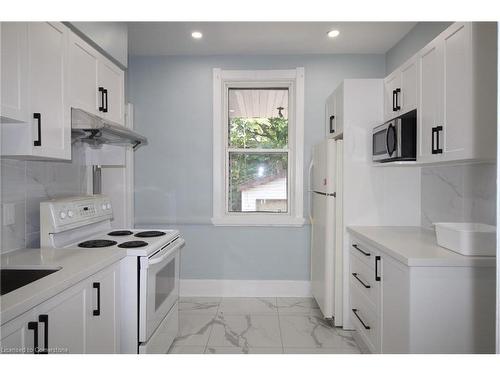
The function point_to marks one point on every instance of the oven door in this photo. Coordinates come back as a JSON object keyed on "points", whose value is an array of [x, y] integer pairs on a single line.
{"points": [[158, 287]]}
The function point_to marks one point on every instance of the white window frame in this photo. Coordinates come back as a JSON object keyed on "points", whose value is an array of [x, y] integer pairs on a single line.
{"points": [[293, 79]]}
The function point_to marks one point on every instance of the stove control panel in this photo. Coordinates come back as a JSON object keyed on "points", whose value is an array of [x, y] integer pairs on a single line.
{"points": [[58, 215]]}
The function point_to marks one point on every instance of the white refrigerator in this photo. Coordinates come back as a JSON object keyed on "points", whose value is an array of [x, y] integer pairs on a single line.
{"points": [[327, 228]]}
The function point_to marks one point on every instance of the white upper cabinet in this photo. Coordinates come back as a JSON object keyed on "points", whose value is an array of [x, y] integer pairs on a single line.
{"points": [[391, 84], [408, 95], [43, 128], [457, 102], [50, 121], [429, 114], [451, 82], [401, 90], [83, 63], [46, 70], [14, 72], [334, 114], [111, 85], [96, 84]]}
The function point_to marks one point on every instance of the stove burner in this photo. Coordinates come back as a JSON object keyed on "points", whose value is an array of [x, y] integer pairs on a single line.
{"points": [[131, 244], [97, 243], [150, 233], [120, 233]]}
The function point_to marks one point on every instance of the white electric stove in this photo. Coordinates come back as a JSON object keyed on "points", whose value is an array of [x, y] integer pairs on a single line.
{"points": [[149, 277]]}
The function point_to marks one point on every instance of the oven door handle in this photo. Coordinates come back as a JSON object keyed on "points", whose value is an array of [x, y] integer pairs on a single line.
{"points": [[169, 250]]}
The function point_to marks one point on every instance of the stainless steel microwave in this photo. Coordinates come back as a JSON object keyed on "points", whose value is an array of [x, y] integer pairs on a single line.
{"points": [[396, 140]]}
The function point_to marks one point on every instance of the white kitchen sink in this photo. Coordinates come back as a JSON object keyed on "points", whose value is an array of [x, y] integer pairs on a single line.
{"points": [[471, 239]]}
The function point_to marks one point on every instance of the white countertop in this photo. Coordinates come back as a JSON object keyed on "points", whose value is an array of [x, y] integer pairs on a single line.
{"points": [[77, 265], [415, 246]]}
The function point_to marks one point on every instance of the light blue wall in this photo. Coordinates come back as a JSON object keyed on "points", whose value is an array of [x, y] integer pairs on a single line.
{"points": [[417, 38], [172, 98], [110, 37]]}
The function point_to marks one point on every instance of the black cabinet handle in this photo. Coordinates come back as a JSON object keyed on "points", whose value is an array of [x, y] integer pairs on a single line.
{"points": [[360, 250], [38, 116], [361, 281], [355, 311], [435, 135], [44, 318], [101, 106], [398, 91], [332, 130], [394, 109], [34, 326], [377, 260], [97, 286], [106, 101]]}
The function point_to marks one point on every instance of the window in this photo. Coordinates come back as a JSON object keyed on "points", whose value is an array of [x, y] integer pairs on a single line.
{"points": [[258, 147]]}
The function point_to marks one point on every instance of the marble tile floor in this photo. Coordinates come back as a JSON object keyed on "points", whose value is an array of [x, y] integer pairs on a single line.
{"points": [[275, 325]]}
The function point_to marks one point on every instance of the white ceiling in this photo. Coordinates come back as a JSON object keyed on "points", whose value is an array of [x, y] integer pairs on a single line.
{"points": [[245, 38], [258, 103]]}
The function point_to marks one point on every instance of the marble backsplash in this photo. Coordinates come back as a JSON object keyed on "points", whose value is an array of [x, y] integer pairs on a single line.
{"points": [[26, 183], [458, 193]]}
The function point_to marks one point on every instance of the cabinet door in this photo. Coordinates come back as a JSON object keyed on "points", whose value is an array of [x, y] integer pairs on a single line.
{"points": [[430, 101], [83, 62], [408, 96], [330, 111], [47, 59], [111, 78], [19, 335], [102, 315], [62, 321], [458, 123], [395, 306], [339, 109], [391, 83], [14, 68]]}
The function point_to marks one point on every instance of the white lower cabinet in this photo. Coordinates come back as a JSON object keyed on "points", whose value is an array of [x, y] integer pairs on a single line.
{"points": [[81, 319], [397, 308]]}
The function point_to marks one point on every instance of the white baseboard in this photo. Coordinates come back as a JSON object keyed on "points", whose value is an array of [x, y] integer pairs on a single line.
{"points": [[244, 288]]}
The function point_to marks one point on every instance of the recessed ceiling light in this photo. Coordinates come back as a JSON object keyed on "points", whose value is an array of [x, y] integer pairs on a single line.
{"points": [[196, 35], [333, 33]]}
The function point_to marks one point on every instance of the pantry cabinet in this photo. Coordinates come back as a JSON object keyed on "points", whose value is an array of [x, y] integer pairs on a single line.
{"points": [[81, 319], [14, 72]]}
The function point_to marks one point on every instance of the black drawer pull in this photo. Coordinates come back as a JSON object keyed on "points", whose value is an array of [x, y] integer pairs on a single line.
{"points": [[435, 135], [34, 326], [97, 286], [45, 320], [377, 260], [361, 281], [361, 251], [355, 311], [398, 91], [38, 116], [105, 109], [332, 130], [101, 106], [394, 109]]}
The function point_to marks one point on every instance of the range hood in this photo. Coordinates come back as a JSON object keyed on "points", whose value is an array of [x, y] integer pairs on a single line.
{"points": [[96, 131]]}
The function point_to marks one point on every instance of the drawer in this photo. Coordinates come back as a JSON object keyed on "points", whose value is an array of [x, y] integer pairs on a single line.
{"points": [[365, 320], [363, 252], [362, 277]]}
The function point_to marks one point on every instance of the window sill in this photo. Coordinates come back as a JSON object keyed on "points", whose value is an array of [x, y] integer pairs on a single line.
{"points": [[258, 221]]}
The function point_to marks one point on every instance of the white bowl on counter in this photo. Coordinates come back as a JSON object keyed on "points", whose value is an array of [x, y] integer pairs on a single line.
{"points": [[470, 239]]}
